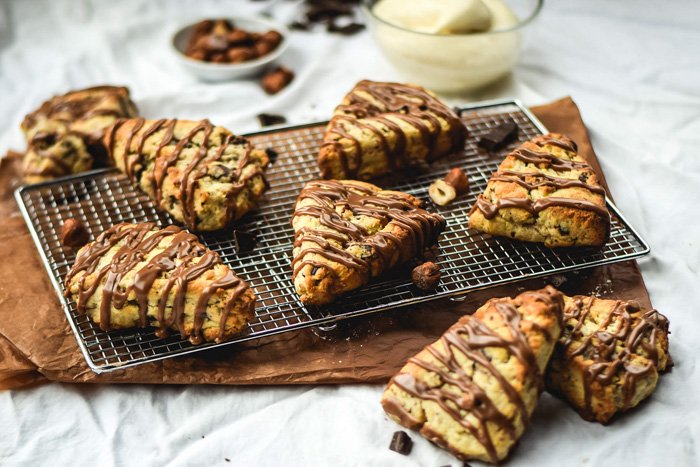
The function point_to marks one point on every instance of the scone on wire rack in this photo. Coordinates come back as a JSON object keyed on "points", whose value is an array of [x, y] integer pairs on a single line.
{"points": [[474, 389], [64, 135], [347, 232], [137, 275], [609, 356], [544, 192], [202, 175], [383, 127]]}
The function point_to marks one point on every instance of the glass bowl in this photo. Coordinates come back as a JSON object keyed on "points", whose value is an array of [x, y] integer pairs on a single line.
{"points": [[453, 63]]}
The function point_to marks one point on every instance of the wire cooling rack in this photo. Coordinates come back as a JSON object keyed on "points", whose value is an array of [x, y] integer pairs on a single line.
{"points": [[468, 259]]}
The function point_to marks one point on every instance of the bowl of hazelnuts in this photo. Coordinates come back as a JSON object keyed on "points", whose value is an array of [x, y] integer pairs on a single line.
{"points": [[229, 48]]}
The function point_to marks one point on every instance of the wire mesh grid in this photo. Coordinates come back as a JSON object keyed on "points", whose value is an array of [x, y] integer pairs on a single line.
{"points": [[468, 259]]}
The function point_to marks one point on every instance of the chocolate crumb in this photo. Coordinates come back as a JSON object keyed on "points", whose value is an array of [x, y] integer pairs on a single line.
{"points": [[299, 26], [499, 136], [271, 119], [227, 459], [272, 155], [401, 443]]}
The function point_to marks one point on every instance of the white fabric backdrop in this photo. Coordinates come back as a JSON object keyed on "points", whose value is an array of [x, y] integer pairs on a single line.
{"points": [[633, 68]]}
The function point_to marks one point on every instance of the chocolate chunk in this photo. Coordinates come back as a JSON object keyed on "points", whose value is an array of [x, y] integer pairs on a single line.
{"points": [[401, 443], [271, 154], [245, 242], [499, 136], [276, 79], [74, 234], [347, 30], [271, 119]]}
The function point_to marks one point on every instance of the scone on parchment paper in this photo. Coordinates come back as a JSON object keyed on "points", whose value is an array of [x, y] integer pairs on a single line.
{"points": [[384, 127], [347, 232], [609, 356], [202, 175], [474, 390], [64, 135], [545, 192], [139, 275]]}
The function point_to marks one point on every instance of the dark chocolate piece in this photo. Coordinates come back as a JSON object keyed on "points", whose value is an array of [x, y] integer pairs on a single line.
{"points": [[245, 242], [272, 155], [346, 30], [499, 136], [401, 443], [271, 119]]}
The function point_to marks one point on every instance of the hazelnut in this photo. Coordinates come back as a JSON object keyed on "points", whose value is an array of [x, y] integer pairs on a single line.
{"points": [[272, 37], [426, 276], [221, 27], [215, 43], [203, 27], [218, 58], [277, 79], [240, 54], [197, 55], [263, 48], [74, 234], [441, 192], [238, 37], [458, 179]]}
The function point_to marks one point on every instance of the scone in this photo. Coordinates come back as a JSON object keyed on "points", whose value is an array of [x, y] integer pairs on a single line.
{"points": [[474, 390], [201, 174], [346, 232], [64, 135], [544, 192], [140, 275], [383, 127], [609, 356]]}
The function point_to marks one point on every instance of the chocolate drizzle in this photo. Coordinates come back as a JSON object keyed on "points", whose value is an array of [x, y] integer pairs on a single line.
{"points": [[614, 348], [337, 232], [535, 180], [185, 171], [182, 261], [459, 394], [387, 104]]}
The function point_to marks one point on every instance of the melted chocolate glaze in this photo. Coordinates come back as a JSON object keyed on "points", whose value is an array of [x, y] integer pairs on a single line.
{"points": [[423, 228], [181, 262], [137, 164], [469, 337], [637, 335], [410, 104]]}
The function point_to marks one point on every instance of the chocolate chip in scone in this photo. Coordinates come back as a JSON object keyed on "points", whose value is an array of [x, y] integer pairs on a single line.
{"points": [[426, 276], [271, 155], [271, 119], [276, 79], [401, 443], [499, 136], [74, 234], [244, 241]]}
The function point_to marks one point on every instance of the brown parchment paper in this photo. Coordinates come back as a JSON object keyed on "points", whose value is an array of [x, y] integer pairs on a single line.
{"points": [[37, 345]]}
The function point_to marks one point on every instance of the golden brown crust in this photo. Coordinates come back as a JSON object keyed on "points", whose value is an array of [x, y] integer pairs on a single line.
{"points": [[544, 192], [347, 232], [64, 134], [474, 389], [137, 275], [609, 356], [201, 174], [380, 127]]}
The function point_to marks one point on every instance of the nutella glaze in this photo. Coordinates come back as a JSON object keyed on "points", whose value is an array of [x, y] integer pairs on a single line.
{"points": [[182, 261], [469, 337], [413, 105], [192, 173], [600, 346], [423, 227], [549, 161]]}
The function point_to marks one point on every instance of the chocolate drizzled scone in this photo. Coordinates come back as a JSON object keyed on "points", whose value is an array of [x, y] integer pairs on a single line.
{"points": [[140, 275], [381, 127], [544, 192], [609, 356], [347, 232], [64, 135], [201, 174], [474, 390]]}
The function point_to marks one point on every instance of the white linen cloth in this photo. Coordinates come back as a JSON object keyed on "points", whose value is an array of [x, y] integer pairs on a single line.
{"points": [[632, 67]]}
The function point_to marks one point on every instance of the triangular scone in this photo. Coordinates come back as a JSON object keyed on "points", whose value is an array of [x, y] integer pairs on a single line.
{"points": [[382, 127], [347, 232], [474, 390], [64, 135], [139, 275], [544, 192], [609, 356], [201, 174]]}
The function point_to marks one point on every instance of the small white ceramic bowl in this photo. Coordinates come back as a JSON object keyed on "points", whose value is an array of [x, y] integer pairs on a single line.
{"points": [[208, 71]]}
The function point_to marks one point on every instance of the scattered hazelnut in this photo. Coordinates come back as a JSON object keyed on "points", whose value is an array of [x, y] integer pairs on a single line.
{"points": [[458, 179], [276, 79], [441, 192], [426, 276], [74, 234]]}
